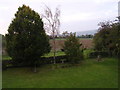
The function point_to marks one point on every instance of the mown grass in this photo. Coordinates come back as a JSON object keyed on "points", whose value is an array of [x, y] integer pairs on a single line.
{"points": [[87, 52], [6, 57], [88, 74], [51, 54]]}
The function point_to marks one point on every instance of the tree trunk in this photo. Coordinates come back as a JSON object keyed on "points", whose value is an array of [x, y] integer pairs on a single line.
{"points": [[35, 68], [54, 46], [54, 49]]}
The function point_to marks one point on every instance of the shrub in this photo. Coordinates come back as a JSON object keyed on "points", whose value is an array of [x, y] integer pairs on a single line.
{"points": [[4, 67], [96, 53], [72, 49]]}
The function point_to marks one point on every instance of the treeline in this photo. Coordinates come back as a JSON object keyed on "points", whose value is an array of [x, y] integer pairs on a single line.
{"points": [[86, 36], [68, 34]]}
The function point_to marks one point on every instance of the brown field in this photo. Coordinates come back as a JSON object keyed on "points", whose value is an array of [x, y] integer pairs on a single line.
{"points": [[86, 43]]}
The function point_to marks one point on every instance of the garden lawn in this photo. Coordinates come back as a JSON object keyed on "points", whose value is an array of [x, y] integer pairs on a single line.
{"points": [[6, 57], [51, 54], [88, 74]]}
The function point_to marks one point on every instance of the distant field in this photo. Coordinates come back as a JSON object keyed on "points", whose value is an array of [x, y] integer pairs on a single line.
{"points": [[51, 54], [79, 38], [87, 43], [88, 74]]}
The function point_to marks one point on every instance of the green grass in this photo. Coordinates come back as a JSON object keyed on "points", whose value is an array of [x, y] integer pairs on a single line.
{"points": [[51, 54], [88, 74], [6, 57], [86, 38], [87, 52]]}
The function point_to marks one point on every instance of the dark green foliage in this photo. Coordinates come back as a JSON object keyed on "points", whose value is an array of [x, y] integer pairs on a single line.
{"points": [[26, 38], [72, 49], [96, 53], [41, 61], [4, 66], [108, 38], [3, 41], [86, 36]]}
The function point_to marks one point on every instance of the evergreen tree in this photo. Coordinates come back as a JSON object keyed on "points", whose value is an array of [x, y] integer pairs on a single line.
{"points": [[26, 38], [72, 49]]}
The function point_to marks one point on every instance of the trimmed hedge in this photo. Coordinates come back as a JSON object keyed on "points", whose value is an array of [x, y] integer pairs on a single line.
{"points": [[50, 60], [43, 60], [96, 53]]}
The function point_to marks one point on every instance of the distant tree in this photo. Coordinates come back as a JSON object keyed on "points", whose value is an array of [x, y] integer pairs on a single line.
{"points": [[89, 36], [86, 36], [65, 34], [26, 38], [52, 24], [72, 49]]}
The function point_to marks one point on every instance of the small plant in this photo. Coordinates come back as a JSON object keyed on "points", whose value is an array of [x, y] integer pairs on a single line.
{"points": [[72, 49]]}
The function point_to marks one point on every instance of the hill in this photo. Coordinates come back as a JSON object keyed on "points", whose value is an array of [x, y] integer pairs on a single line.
{"points": [[79, 33]]}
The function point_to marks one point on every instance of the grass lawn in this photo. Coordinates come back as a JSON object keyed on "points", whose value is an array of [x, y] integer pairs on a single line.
{"points": [[51, 54], [88, 74], [5, 57], [87, 52]]}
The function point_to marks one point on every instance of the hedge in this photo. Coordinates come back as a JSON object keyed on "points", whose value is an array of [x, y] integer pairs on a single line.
{"points": [[96, 53], [43, 60]]}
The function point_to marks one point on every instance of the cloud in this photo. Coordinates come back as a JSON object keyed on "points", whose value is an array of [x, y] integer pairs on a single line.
{"points": [[72, 11], [76, 17]]}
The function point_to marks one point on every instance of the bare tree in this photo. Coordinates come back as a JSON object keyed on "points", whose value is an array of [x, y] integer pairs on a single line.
{"points": [[52, 24], [65, 34]]}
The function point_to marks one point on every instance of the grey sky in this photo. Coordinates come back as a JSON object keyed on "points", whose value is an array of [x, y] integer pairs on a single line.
{"points": [[76, 15]]}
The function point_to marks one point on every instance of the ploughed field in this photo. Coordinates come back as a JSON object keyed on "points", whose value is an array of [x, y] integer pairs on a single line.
{"points": [[86, 43]]}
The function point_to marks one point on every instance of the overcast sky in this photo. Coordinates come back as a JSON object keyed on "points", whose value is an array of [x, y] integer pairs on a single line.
{"points": [[76, 15]]}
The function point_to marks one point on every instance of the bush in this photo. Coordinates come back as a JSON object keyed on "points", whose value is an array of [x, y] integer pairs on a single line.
{"points": [[72, 49], [43, 60], [96, 53], [4, 67], [49, 60]]}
